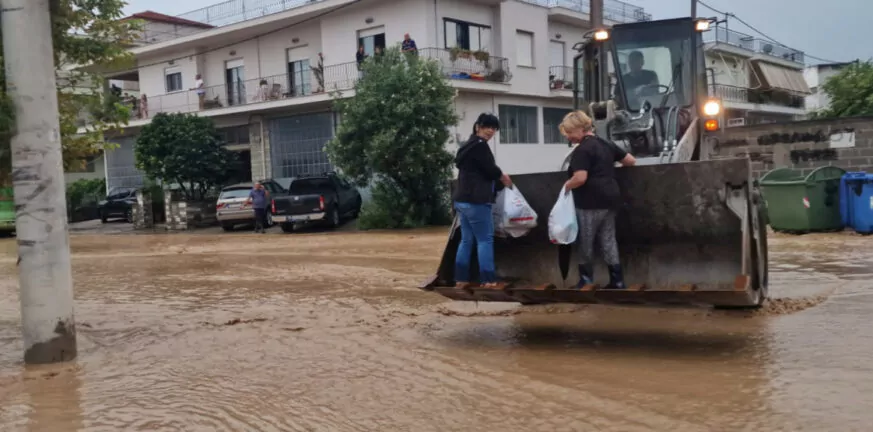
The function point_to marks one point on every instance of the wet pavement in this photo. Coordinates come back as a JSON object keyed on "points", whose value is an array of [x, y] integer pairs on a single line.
{"points": [[326, 332]]}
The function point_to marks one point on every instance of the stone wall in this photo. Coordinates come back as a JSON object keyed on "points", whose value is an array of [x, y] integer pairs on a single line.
{"points": [[184, 215], [846, 143]]}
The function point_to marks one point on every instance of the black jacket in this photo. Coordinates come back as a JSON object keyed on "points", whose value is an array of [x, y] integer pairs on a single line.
{"points": [[478, 174]]}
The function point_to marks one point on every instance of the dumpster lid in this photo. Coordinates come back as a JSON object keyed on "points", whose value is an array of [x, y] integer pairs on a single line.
{"points": [[786, 176]]}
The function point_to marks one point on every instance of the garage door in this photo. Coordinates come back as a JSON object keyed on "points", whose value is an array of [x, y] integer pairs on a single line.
{"points": [[121, 165], [297, 144]]}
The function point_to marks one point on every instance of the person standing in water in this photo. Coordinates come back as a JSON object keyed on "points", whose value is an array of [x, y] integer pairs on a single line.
{"points": [[596, 195], [479, 179]]}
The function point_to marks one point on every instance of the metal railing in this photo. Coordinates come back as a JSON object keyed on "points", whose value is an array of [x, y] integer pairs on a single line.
{"points": [[613, 10], [561, 78], [756, 96], [751, 43], [462, 64], [259, 90], [222, 14]]}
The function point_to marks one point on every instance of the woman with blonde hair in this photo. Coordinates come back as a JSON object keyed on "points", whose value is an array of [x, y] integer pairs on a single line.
{"points": [[596, 194]]}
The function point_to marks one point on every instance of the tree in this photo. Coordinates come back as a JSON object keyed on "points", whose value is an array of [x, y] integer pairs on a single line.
{"points": [[84, 32], [393, 135], [850, 91], [186, 150]]}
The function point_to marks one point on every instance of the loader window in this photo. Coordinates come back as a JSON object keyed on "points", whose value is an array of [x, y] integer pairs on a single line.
{"points": [[654, 66]]}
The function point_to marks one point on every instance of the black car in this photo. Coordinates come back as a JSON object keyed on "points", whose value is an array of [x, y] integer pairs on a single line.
{"points": [[118, 204], [323, 199]]}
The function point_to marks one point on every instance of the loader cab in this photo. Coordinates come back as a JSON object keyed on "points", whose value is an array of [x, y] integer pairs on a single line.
{"points": [[647, 82]]}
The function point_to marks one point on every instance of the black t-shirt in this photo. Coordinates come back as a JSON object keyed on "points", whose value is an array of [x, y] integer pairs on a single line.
{"points": [[598, 157]]}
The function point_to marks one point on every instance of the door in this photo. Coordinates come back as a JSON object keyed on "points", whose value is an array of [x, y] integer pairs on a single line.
{"points": [[344, 192], [557, 60], [371, 39], [299, 72], [235, 82]]}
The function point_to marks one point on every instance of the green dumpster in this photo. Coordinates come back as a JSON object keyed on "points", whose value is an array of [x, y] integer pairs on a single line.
{"points": [[798, 203]]}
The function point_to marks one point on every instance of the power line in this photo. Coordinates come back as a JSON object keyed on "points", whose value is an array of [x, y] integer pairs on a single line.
{"points": [[251, 38], [755, 29]]}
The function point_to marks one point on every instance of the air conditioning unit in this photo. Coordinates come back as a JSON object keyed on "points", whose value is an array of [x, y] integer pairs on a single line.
{"points": [[734, 122]]}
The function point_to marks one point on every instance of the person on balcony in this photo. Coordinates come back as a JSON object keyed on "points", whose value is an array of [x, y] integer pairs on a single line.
{"points": [[200, 90], [143, 106], [409, 46], [361, 56]]}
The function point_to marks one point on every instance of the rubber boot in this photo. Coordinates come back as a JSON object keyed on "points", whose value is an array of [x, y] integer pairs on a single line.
{"points": [[616, 277], [586, 276]]}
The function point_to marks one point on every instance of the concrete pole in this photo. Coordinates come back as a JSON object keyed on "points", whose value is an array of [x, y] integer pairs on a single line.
{"points": [[597, 14], [45, 276], [693, 8]]}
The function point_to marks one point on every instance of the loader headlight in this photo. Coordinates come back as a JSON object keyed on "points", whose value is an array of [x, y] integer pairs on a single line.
{"points": [[702, 25], [712, 108], [601, 35]]}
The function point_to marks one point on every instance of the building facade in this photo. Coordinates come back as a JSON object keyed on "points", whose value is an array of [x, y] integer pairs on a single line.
{"points": [[816, 76], [267, 73], [758, 81]]}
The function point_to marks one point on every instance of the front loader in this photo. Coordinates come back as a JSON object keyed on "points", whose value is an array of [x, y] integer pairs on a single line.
{"points": [[691, 232]]}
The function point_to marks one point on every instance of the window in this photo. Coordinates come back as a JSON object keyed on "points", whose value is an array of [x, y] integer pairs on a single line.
{"points": [[552, 118], [235, 135], [524, 48], [372, 39], [468, 36], [173, 79], [518, 124], [556, 53]]}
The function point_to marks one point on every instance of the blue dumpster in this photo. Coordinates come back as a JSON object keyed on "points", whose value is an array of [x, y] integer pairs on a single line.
{"points": [[847, 196], [858, 193]]}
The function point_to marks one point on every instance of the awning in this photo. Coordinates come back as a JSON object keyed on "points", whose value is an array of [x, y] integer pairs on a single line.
{"points": [[782, 78]]}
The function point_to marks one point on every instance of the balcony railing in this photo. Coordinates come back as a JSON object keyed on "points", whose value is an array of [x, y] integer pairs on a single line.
{"points": [[764, 97], [741, 40], [278, 87], [222, 14], [613, 10], [462, 64], [456, 65], [561, 78]]}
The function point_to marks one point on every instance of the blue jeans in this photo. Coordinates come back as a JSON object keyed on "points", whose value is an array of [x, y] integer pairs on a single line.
{"points": [[476, 226]]}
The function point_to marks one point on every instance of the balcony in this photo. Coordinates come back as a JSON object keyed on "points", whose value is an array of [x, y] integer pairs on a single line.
{"points": [[219, 15], [613, 10], [459, 64], [478, 69], [255, 91], [750, 43], [561, 79], [773, 98]]}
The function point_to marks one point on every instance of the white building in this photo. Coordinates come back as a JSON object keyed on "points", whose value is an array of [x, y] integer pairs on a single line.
{"points": [[757, 80], [267, 90], [816, 76]]}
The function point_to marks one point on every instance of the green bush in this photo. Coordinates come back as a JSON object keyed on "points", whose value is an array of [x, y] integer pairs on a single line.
{"points": [[392, 208], [85, 191]]}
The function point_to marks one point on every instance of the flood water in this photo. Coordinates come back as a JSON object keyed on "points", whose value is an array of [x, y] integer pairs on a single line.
{"points": [[326, 332]]}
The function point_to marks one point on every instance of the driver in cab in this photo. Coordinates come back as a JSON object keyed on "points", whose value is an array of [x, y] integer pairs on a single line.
{"points": [[638, 77]]}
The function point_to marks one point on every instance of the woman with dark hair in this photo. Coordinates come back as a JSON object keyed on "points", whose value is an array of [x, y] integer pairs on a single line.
{"points": [[478, 177]]}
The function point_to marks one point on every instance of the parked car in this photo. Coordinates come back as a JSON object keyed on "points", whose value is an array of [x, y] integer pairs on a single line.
{"points": [[231, 209], [118, 204], [322, 199]]}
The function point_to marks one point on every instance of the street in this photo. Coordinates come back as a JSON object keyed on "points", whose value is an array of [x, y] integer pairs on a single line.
{"points": [[326, 331]]}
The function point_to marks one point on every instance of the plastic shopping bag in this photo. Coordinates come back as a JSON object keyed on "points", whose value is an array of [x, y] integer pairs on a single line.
{"points": [[517, 217], [563, 227]]}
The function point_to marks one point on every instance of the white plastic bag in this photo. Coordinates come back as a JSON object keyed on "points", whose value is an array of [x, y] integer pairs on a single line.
{"points": [[516, 217], [563, 227]]}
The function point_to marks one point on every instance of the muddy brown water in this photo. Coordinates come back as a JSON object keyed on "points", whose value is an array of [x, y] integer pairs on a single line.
{"points": [[326, 332]]}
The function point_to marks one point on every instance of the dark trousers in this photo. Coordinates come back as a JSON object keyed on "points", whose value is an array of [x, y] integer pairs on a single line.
{"points": [[260, 218]]}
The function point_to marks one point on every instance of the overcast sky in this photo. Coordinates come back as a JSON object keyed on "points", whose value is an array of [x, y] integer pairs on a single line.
{"points": [[839, 32]]}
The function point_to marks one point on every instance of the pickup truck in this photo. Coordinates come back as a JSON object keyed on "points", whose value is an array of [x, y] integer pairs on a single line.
{"points": [[321, 199]]}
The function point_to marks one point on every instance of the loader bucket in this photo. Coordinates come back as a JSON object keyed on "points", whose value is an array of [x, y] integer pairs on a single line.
{"points": [[689, 234]]}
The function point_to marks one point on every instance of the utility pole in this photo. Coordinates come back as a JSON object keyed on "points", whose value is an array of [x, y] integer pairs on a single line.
{"points": [[44, 274], [693, 8], [597, 14]]}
